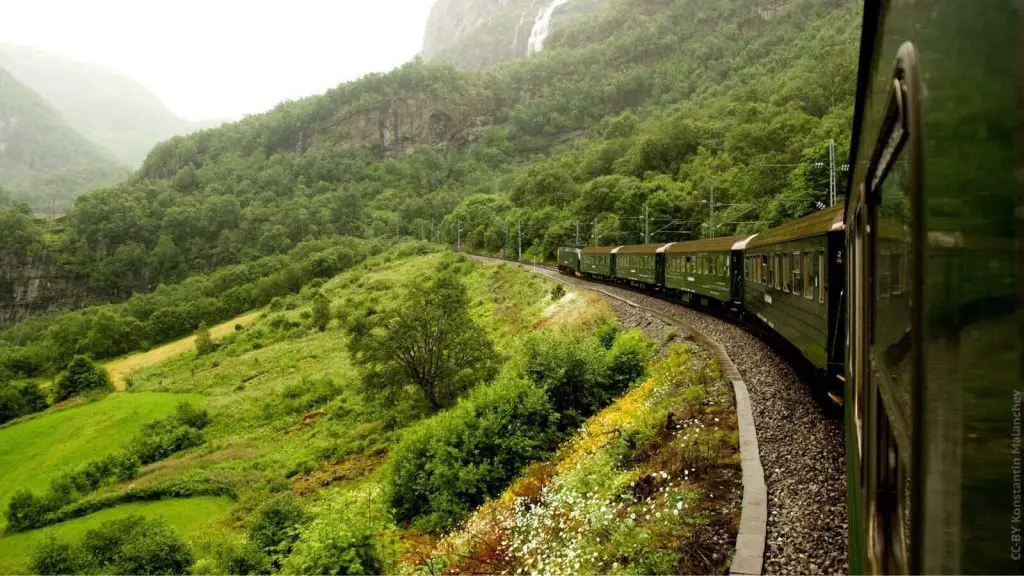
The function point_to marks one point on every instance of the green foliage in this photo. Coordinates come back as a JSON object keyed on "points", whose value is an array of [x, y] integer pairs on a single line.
{"points": [[189, 415], [54, 556], [449, 464], [136, 545], [338, 549], [19, 399], [557, 293], [321, 311], [572, 368], [204, 343], [607, 331], [161, 438], [627, 359], [275, 528], [428, 343], [25, 511], [80, 377]]}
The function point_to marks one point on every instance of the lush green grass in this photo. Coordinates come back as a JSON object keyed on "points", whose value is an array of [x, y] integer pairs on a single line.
{"points": [[35, 450], [190, 518]]}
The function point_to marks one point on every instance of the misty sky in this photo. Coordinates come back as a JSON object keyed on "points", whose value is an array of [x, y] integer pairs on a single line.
{"points": [[225, 58]]}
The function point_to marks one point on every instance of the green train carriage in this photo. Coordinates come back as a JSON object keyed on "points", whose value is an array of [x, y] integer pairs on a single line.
{"points": [[934, 361], [793, 281], [705, 268]]}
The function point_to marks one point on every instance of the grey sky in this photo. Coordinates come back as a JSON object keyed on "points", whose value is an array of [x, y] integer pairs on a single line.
{"points": [[224, 58]]}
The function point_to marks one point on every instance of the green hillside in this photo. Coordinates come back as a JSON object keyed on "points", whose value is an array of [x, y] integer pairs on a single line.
{"points": [[110, 109], [652, 103], [41, 157]]}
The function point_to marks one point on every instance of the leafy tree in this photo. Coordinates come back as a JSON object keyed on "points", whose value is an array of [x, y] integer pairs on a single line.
{"points": [[54, 556], [80, 377], [204, 343], [321, 311], [275, 528], [429, 343]]}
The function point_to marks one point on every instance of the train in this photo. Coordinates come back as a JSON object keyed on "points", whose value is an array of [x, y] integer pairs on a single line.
{"points": [[906, 298]]}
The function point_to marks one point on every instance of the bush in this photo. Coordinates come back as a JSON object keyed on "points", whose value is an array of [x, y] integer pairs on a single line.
{"points": [[341, 549], [607, 331], [275, 529], [449, 464], [54, 556], [135, 545], [204, 342], [25, 511], [557, 293], [161, 438], [627, 360], [189, 415], [241, 558], [81, 376], [571, 367]]}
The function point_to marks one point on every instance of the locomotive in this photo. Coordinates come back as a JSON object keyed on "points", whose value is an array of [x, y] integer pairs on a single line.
{"points": [[906, 297]]}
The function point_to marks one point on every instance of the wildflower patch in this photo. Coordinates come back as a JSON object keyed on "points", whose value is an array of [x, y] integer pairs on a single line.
{"points": [[650, 484]]}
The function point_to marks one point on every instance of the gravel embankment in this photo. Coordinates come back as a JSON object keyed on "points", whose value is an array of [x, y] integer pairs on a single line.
{"points": [[802, 449]]}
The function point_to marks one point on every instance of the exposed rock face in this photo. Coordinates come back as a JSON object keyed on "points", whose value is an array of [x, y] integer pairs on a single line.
{"points": [[30, 288], [485, 33], [408, 123]]}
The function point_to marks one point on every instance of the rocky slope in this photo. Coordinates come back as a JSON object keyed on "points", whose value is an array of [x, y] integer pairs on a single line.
{"points": [[485, 33]]}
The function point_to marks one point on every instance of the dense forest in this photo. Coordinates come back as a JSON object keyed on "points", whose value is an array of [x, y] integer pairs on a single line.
{"points": [[652, 104]]}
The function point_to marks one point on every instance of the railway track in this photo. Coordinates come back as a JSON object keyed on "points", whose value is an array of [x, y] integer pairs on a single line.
{"points": [[800, 441]]}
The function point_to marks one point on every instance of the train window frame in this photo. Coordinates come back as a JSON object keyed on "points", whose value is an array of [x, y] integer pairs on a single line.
{"points": [[787, 280], [822, 275], [810, 276], [797, 276]]}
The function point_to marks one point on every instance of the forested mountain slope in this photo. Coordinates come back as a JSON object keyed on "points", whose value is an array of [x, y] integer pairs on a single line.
{"points": [[108, 108], [42, 159], [647, 102]]}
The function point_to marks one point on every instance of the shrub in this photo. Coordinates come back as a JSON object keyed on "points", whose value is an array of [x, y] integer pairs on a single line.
{"points": [[54, 556], [81, 376], [321, 311], [571, 367], [275, 528], [12, 405], [454, 461], [164, 437], [204, 342], [557, 293], [338, 549], [25, 511], [241, 558], [136, 545], [189, 415], [627, 359], [607, 331]]}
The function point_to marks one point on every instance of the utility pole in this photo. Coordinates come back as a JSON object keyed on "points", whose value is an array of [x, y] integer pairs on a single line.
{"points": [[596, 239], [458, 235], [504, 247], [647, 224], [520, 240], [832, 172], [712, 211], [577, 233]]}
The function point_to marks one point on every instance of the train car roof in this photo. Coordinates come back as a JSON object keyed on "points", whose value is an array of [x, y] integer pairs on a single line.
{"points": [[599, 249], [723, 244], [742, 244], [642, 248], [817, 224]]}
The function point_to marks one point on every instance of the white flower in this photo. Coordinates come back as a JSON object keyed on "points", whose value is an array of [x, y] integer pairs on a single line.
{"points": [[676, 511], [679, 505]]}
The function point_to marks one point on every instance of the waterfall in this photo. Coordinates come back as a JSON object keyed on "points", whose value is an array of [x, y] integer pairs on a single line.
{"points": [[542, 27], [522, 18]]}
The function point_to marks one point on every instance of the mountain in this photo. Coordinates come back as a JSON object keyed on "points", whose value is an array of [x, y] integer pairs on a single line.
{"points": [[43, 159], [108, 108], [485, 33], [640, 109]]}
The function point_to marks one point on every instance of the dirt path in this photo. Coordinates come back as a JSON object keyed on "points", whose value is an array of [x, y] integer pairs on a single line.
{"points": [[122, 367]]}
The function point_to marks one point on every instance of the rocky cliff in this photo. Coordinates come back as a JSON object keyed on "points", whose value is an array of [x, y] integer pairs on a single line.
{"points": [[485, 33], [34, 287]]}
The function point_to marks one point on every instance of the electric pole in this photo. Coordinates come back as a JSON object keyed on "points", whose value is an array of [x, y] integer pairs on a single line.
{"points": [[832, 172], [504, 247], [577, 233], [520, 240], [596, 238], [712, 211], [647, 224], [458, 235]]}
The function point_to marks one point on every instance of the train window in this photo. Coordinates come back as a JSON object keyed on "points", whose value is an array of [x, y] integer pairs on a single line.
{"points": [[787, 280], [810, 276], [797, 280]]}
